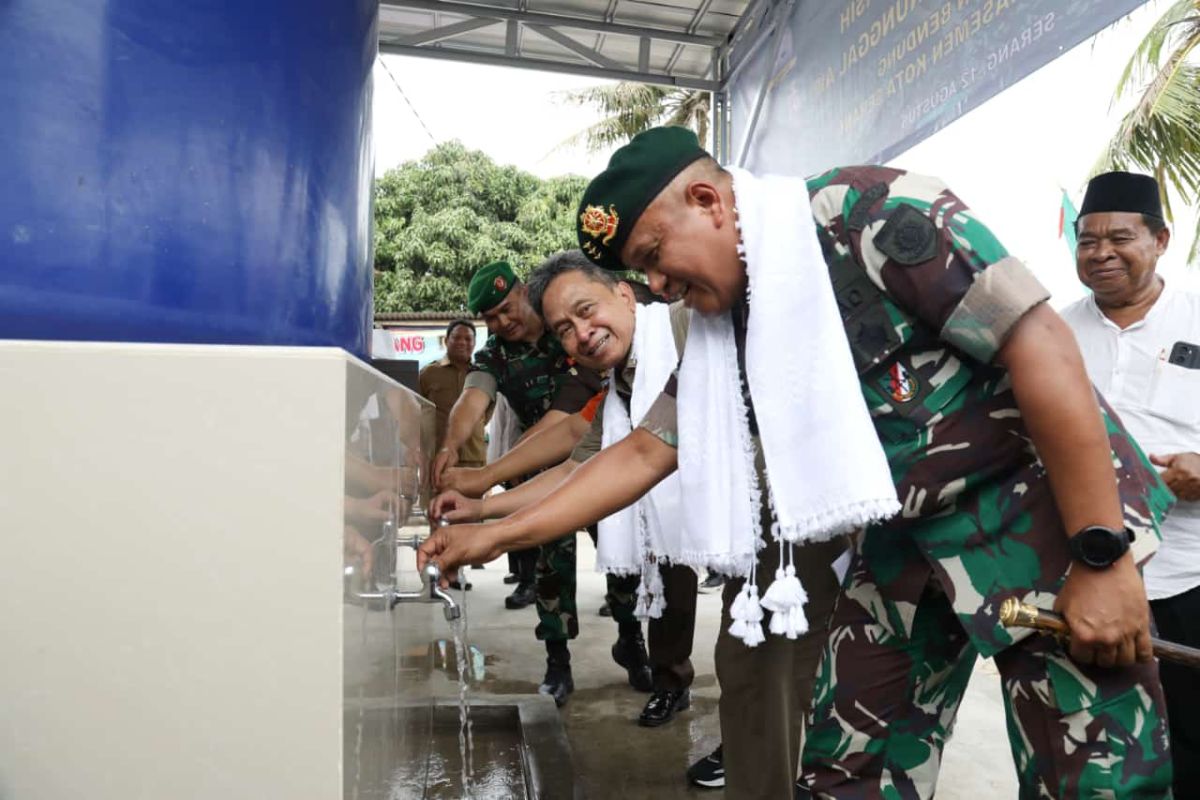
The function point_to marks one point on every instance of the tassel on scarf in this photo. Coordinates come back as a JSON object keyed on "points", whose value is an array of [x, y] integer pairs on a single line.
{"points": [[642, 609], [754, 616], [650, 603], [785, 598], [779, 623], [797, 623], [657, 606], [785, 593], [747, 614]]}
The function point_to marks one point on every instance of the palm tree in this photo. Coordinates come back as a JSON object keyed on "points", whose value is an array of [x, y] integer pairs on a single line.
{"points": [[628, 108], [1162, 132]]}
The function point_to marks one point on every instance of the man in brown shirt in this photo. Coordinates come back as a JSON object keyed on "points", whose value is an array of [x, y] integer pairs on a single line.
{"points": [[442, 382]]}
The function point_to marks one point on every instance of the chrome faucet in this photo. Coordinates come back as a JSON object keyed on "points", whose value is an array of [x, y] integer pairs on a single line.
{"points": [[415, 539], [430, 591]]}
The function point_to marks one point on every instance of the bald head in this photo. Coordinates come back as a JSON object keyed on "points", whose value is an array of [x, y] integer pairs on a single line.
{"points": [[703, 171]]}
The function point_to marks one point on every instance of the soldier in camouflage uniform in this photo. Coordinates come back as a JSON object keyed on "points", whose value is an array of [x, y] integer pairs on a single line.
{"points": [[528, 365], [1003, 459], [979, 525]]}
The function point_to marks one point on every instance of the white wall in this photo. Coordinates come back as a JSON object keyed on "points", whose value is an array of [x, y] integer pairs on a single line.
{"points": [[171, 574]]}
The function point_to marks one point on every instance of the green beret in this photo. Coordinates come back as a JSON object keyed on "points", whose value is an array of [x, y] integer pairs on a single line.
{"points": [[636, 173], [490, 285]]}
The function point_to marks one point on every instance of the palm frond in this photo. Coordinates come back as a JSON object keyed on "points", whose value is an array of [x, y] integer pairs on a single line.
{"points": [[1146, 57], [617, 97], [1161, 134], [690, 109], [1193, 255], [628, 108]]}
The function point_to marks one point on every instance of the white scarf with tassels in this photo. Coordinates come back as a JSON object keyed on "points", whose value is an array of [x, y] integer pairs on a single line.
{"points": [[826, 470], [638, 538]]}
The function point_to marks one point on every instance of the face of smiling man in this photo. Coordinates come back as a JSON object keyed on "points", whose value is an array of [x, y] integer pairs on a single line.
{"points": [[594, 321], [514, 320], [1116, 256], [460, 343], [685, 242]]}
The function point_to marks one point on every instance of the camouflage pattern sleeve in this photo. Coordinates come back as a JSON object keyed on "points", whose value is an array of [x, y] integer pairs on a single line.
{"points": [[661, 419], [932, 255], [486, 369], [937, 260]]}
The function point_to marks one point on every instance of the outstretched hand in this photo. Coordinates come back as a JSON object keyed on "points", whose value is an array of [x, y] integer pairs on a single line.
{"points": [[453, 506], [471, 481], [445, 460], [454, 546]]}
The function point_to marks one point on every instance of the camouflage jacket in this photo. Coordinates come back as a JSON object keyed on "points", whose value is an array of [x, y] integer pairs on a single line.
{"points": [[928, 296], [534, 378]]}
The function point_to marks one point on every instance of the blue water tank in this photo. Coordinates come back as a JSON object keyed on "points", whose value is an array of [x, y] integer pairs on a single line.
{"points": [[193, 171]]}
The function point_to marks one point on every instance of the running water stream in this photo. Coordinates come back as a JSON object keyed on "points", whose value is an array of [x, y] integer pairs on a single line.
{"points": [[466, 740]]}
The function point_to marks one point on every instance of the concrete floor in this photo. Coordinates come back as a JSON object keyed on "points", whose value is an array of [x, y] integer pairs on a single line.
{"points": [[615, 758]]}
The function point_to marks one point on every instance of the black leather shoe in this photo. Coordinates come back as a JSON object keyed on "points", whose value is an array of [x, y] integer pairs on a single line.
{"points": [[630, 652], [605, 610], [558, 683], [522, 596], [662, 705], [511, 579]]}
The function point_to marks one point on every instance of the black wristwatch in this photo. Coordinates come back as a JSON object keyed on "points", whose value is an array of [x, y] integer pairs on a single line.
{"points": [[1099, 547]]}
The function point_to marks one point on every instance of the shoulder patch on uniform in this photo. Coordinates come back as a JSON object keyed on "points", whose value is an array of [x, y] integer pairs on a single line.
{"points": [[908, 237], [857, 219], [901, 384]]}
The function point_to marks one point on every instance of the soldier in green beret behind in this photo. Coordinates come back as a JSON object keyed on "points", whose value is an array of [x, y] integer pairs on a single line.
{"points": [[527, 364]]}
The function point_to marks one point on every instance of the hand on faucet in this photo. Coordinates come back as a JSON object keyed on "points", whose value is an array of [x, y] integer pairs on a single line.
{"points": [[455, 545], [453, 506]]}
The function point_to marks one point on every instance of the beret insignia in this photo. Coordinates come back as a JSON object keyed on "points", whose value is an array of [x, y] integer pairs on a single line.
{"points": [[636, 174], [600, 224]]}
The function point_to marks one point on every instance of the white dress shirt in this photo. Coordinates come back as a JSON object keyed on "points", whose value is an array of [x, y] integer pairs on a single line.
{"points": [[1159, 403]]}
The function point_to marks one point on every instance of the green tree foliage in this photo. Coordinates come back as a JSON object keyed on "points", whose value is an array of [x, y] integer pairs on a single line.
{"points": [[440, 218], [1161, 135]]}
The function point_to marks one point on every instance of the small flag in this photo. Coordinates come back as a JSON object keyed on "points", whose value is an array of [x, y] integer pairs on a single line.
{"points": [[1066, 222]]}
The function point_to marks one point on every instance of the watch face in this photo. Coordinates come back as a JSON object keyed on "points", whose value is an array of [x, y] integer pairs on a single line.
{"points": [[1100, 547]]}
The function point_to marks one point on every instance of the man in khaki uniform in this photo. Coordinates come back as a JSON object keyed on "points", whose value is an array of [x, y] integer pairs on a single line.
{"points": [[442, 382]]}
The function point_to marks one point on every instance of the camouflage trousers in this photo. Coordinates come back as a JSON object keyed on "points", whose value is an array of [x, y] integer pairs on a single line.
{"points": [[558, 617], [884, 708]]}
